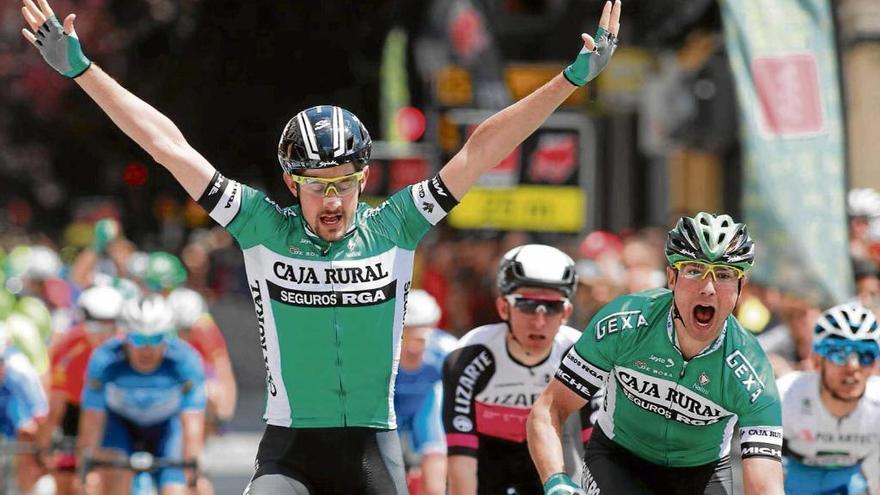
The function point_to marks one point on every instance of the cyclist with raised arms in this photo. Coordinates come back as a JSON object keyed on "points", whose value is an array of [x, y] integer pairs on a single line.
{"points": [[328, 275], [831, 415], [418, 394], [145, 391], [679, 373], [497, 372]]}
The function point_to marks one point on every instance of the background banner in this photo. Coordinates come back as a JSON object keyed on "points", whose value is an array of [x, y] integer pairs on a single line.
{"points": [[785, 65]]}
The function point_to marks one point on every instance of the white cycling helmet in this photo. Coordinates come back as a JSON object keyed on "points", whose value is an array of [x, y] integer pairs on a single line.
{"points": [[863, 202], [537, 265], [150, 315], [849, 321], [101, 302], [422, 309], [187, 305], [44, 263]]}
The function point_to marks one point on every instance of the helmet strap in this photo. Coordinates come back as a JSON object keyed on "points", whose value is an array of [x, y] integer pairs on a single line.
{"points": [[676, 314]]}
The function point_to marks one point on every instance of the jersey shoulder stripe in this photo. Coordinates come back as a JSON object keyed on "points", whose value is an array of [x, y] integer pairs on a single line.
{"points": [[221, 199], [433, 199]]}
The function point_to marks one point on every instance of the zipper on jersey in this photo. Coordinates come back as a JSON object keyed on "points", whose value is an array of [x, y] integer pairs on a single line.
{"points": [[684, 364], [338, 343]]}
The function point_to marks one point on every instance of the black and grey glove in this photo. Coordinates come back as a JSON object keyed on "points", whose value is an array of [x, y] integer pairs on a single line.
{"points": [[589, 63], [61, 51]]}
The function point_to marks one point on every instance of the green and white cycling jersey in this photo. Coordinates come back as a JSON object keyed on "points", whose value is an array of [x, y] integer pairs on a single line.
{"points": [[330, 314], [667, 410]]}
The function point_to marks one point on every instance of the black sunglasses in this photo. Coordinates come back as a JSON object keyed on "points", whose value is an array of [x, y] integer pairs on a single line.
{"points": [[533, 306]]}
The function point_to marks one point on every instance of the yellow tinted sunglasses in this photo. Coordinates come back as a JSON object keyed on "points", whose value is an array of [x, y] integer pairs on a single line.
{"points": [[694, 270], [321, 186]]}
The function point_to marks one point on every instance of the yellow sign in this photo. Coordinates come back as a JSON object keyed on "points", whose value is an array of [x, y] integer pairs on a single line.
{"points": [[530, 208], [454, 86], [523, 79]]}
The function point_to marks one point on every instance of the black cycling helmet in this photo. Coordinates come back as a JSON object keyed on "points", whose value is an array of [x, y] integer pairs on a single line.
{"points": [[323, 136], [711, 239]]}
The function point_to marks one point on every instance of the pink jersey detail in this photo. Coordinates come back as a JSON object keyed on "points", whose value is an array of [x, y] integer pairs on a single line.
{"points": [[462, 440], [507, 423]]}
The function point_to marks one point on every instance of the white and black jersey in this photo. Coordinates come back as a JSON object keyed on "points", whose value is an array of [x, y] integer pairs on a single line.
{"points": [[487, 398]]}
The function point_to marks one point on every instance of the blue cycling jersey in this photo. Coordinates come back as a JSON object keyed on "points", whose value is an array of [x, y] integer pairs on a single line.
{"points": [[176, 385], [418, 398], [810, 480], [21, 396]]}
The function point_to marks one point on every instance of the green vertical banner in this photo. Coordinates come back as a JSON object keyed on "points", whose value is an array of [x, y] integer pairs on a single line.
{"points": [[785, 65]]}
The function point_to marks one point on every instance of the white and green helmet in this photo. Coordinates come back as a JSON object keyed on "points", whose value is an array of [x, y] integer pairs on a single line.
{"points": [[711, 239]]}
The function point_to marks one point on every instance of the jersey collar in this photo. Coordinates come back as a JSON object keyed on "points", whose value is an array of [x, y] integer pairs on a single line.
{"points": [[673, 337]]}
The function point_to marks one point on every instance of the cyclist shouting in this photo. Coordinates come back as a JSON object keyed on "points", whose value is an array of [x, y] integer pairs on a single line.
{"points": [[831, 414], [679, 372], [329, 275]]}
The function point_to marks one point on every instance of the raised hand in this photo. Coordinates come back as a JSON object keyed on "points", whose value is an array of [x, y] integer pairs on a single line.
{"points": [[595, 55], [58, 44]]}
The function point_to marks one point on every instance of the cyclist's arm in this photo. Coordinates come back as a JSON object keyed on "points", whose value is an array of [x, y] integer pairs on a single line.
{"points": [[762, 476], [193, 423], [83, 268], [760, 421], [228, 391], [193, 402], [57, 408], [428, 440], [467, 369], [91, 430], [150, 129], [434, 474], [225, 392], [462, 475], [544, 427], [92, 402], [501, 133]]}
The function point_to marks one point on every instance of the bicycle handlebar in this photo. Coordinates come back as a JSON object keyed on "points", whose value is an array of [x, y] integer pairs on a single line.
{"points": [[138, 462]]}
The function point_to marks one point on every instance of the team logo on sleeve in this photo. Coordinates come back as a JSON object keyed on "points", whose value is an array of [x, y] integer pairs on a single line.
{"points": [[432, 199], [222, 199], [463, 424], [622, 320], [745, 372]]}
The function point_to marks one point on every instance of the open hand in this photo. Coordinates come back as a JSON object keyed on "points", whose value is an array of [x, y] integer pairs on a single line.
{"points": [[58, 44], [596, 53]]}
